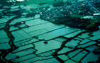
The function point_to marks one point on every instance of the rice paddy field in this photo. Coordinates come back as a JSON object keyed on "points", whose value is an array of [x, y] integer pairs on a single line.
{"points": [[50, 31]]}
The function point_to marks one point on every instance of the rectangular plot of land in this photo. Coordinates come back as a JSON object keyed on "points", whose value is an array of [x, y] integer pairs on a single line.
{"points": [[29, 42], [20, 20], [71, 54], [70, 61], [18, 44], [56, 33], [41, 47], [25, 57], [87, 44], [90, 57], [5, 46], [38, 32], [72, 43], [63, 57], [73, 34], [10, 56], [23, 33], [84, 41], [95, 37], [36, 59], [85, 35], [25, 52], [64, 50], [96, 32], [79, 57], [25, 42], [23, 47], [35, 22], [13, 28], [2, 20], [17, 36], [33, 40], [3, 34], [60, 39], [4, 40], [50, 60], [2, 25], [41, 26], [54, 27]]}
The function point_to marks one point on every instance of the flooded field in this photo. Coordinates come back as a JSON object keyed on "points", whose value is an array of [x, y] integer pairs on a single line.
{"points": [[53, 31]]}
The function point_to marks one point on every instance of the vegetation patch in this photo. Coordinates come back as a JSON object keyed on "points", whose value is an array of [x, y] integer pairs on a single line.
{"points": [[76, 22]]}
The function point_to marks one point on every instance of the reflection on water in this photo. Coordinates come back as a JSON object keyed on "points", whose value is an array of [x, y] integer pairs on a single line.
{"points": [[50, 31]]}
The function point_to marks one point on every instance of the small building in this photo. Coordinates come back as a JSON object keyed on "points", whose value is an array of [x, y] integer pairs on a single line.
{"points": [[96, 14], [88, 17], [99, 27], [15, 0]]}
